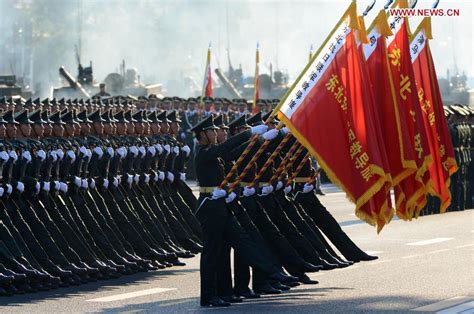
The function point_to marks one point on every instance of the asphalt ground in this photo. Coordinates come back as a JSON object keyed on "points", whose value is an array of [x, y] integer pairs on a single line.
{"points": [[426, 265]]}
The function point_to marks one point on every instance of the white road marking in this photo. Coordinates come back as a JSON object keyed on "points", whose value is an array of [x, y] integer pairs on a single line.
{"points": [[465, 245], [430, 241], [131, 295], [438, 251], [467, 307], [442, 304], [411, 256]]}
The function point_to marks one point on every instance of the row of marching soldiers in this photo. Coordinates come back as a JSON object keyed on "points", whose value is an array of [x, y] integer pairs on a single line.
{"points": [[269, 213], [91, 195]]}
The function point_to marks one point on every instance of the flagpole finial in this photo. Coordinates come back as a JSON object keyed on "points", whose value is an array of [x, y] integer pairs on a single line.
{"points": [[258, 45], [387, 5], [311, 48], [210, 45], [369, 7]]}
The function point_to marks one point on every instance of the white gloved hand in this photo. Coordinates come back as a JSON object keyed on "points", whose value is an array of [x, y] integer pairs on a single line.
{"points": [[53, 155], [248, 191], [152, 151], [77, 182], [26, 154], [9, 188], [159, 148], [259, 129], [13, 155], [83, 150], [136, 178], [99, 151], [46, 186], [218, 193], [84, 184], [287, 189], [230, 198], [110, 151], [4, 155], [92, 183], [122, 152], [115, 182], [20, 187], [71, 155], [182, 176], [88, 153], [142, 150], [1, 191], [37, 188], [170, 176], [186, 149], [60, 153], [129, 179], [147, 178], [41, 154], [270, 135], [63, 187], [279, 185], [161, 175], [167, 148], [133, 150], [308, 188], [57, 185], [176, 150], [285, 130], [267, 189]]}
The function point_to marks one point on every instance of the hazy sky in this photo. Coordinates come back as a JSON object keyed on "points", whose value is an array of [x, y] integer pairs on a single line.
{"points": [[166, 40]]}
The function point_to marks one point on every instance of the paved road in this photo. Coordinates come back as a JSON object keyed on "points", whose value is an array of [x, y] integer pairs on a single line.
{"points": [[426, 265]]}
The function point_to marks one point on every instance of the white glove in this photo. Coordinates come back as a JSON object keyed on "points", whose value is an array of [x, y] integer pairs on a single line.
{"points": [[37, 188], [279, 185], [136, 178], [270, 135], [285, 130], [259, 129], [57, 185], [9, 189], [77, 182], [119, 178], [182, 176], [60, 153], [92, 183], [89, 153], [152, 151], [186, 149], [308, 188], [156, 177], [99, 151], [248, 191], [133, 150], [110, 151], [176, 150], [142, 150], [84, 184], [71, 155], [41, 154], [4, 155], [170, 176], [53, 155], [63, 187], [106, 183], [159, 148], [218, 193], [20, 187], [116, 182], [167, 148], [230, 198], [122, 152], [130, 179], [161, 175], [267, 189], [13, 155], [147, 178], [287, 189], [26, 154], [83, 150], [1, 191], [46, 186]]}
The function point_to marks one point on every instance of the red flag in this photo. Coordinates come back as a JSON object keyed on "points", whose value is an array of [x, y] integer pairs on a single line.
{"points": [[411, 192], [256, 85], [325, 111], [207, 86], [436, 128]]}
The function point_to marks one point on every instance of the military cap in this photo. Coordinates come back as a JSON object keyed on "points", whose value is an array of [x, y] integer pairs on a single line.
{"points": [[3, 100], [22, 117], [62, 101], [173, 116], [153, 117], [256, 119], [29, 103], [37, 101], [120, 117], [45, 116], [36, 117], [129, 117], [46, 102], [68, 117], [162, 116], [19, 101], [219, 122], [239, 122], [54, 101], [192, 100], [2, 121], [96, 117], [83, 117], [142, 98], [138, 116], [10, 117], [56, 118], [204, 125], [208, 99]]}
